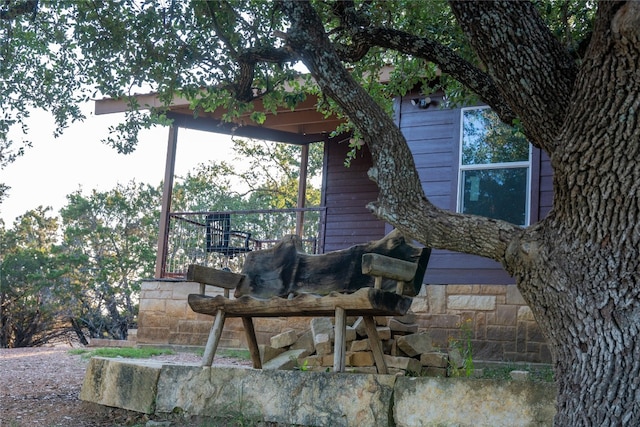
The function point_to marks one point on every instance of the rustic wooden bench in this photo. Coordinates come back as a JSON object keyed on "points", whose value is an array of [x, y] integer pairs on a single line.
{"points": [[368, 301]]}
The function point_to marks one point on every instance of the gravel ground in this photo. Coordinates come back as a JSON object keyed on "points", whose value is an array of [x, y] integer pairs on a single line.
{"points": [[40, 387]]}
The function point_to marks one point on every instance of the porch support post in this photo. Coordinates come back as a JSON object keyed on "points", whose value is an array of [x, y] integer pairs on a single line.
{"points": [[169, 170], [302, 188]]}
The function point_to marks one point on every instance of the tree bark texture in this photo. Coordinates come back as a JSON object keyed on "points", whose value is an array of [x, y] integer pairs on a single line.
{"points": [[579, 268]]}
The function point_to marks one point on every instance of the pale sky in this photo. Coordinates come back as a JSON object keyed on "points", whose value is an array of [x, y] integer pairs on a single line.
{"points": [[55, 167]]}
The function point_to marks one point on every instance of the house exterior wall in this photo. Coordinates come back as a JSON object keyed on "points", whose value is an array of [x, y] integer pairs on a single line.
{"points": [[462, 293], [433, 135], [499, 323], [346, 192]]}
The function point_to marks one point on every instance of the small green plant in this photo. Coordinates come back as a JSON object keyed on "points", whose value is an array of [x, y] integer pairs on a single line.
{"points": [[126, 352], [465, 349], [305, 365]]}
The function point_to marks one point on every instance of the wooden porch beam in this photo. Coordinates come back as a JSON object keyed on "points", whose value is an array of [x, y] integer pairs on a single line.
{"points": [[165, 209], [302, 188], [217, 126]]}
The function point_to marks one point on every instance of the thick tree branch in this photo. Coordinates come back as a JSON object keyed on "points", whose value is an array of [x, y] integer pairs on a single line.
{"points": [[525, 60], [448, 61], [402, 201]]}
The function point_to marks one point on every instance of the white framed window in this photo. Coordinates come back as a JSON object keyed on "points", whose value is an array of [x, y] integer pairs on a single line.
{"points": [[494, 168]]}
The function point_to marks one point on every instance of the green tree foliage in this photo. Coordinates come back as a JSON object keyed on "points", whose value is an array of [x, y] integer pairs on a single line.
{"points": [[262, 175], [81, 272], [33, 289], [109, 241]]}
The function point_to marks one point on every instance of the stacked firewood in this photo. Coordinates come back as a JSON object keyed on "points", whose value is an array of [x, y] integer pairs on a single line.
{"points": [[406, 351]]}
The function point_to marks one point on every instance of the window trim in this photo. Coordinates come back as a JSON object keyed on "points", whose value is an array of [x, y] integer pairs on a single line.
{"points": [[485, 166]]}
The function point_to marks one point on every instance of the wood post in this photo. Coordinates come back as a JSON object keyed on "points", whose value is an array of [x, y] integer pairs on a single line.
{"points": [[252, 342], [165, 209], [214, 339], [302, 189], [340, 340], [376, 344]]}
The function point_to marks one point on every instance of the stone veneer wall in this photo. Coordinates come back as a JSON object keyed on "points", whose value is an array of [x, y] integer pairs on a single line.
{"points": [[501, 325]]}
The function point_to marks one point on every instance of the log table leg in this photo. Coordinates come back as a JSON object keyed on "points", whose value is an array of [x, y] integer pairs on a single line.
{"points": [[252, 342], [376, 344], [214, 339], [340, 340]]}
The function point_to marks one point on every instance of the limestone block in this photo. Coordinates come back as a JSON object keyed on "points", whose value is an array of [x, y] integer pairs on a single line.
{"points": [[322, 325], [327, 359], [358, 325], [381, 320], [181, 291], [514, 296], [471, 302], [176, 308], [153, 304], [472, 402], [189, 389], [130, 385], [384, 332], [415, 344], [525, 314], [267, 352], [506, 315], [286, 360], [407, 319], [361, 358], [434, 359], [322, 344], [360, 345], [305, 341], [437, 298], [337, 406], [350, 334], [397, 326], [420, 305], [408, 364], [390, 347], [285, 339]]}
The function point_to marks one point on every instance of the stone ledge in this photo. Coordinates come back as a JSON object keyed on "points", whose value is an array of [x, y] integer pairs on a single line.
{"points": [[130, 385], [315, 398]]}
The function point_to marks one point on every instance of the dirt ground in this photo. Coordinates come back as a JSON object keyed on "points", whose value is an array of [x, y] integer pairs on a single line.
{"points": [[40, 387]]}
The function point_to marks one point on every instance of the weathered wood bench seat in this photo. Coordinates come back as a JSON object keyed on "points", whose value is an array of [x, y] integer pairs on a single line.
{"points": [[369, 299]]}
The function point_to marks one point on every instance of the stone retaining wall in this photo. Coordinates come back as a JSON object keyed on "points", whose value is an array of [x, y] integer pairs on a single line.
{"points": [[496, 319], [314, 398]]}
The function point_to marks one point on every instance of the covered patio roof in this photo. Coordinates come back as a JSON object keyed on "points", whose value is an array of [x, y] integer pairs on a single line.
{"points": [[301, 126]]}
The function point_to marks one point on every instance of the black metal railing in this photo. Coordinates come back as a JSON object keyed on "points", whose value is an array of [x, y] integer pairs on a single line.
{"points": [[222, 239]]}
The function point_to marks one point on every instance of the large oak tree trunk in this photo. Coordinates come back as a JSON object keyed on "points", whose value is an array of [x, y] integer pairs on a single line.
{"points": [[579, 268]]}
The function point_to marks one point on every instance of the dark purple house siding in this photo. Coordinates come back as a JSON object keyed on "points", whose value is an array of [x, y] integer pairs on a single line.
{"points": [[433, 135], [346, 194]]}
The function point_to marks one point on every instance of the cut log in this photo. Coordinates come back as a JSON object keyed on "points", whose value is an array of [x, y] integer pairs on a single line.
{"points": [[284, 269], [211, 276], [368, 301], [391, 268]]}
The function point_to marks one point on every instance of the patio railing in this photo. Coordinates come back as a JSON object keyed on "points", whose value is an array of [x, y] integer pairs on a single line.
{"points": [[222, 239]]}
